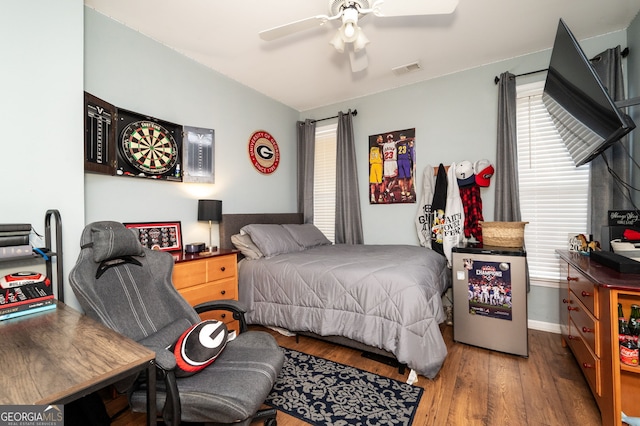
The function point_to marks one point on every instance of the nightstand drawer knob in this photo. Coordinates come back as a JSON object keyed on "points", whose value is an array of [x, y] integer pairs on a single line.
{"points": [[223, 292], [223, 316], [223, 269]]}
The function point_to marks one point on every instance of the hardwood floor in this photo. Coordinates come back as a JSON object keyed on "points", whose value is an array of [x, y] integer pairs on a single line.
{"points": [[475, 386]]}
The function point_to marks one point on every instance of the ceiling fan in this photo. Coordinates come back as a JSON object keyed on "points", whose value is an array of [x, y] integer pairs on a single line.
{"points": [[350, 35]]}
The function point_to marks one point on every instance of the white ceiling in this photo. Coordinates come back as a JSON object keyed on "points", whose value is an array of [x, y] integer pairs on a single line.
{"points": [[304, 71]]}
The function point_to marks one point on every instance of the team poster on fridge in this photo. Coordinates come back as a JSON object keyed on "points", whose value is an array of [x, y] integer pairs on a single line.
{"points": [[392, 167], [489, 288]]}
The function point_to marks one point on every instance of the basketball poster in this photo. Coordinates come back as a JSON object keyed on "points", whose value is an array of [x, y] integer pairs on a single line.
{"points": [[489, 288], [392, 167]]}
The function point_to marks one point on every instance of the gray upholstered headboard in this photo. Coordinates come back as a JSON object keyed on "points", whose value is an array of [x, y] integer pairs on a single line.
{"points": [[232, 223]]}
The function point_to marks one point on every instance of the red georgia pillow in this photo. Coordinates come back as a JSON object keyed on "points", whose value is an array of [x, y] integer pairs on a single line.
{"points": [[199, 346]]}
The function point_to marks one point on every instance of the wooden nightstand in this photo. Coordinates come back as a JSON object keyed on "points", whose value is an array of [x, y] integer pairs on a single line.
{"points": [[201, 278]]}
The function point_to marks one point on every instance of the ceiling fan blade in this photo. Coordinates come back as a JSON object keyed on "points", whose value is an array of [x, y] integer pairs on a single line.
{"points": [[359, 61], [293, 27], [411, 7]]}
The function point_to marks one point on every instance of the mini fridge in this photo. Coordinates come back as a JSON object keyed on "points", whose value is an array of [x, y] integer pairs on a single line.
{"points": [[490, 289]]}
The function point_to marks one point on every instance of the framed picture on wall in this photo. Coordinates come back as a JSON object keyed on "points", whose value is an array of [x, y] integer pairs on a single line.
{"points": [[392, 167], [199, 155], [163, 236]]}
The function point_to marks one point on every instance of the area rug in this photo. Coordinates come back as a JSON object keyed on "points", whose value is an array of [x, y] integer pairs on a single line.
{"points": [[323, 392]]}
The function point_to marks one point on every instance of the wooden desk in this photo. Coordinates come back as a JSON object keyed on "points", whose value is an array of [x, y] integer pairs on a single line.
{"points": [[57, 356]]}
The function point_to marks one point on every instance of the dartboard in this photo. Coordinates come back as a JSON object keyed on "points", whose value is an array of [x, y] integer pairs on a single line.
{"points": [[149, 147]]}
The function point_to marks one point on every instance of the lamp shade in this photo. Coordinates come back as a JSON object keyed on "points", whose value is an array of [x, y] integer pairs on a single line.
{"points": [[210, 210]]}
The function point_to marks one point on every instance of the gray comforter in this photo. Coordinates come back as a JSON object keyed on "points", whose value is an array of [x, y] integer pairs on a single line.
{"points": [[386, 296]]}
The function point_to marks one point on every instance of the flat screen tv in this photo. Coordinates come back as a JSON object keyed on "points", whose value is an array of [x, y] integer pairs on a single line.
{"points": [[582, 110]]}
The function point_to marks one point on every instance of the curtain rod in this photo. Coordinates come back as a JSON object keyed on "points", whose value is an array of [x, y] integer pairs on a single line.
{"points": [[354, 113], [496, 80]]}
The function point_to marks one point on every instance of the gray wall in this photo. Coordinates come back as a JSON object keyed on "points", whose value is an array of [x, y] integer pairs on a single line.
{"points": [[455, 119], [177, 89], [55, 50], [40, 114]]}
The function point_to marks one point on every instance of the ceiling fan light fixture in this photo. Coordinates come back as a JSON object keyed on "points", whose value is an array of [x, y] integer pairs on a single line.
{"points": [[349, 30], [349, 27], [361, 41], [349, 37], [338, 42]]}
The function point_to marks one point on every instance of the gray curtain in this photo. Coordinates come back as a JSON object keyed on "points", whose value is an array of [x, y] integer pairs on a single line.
{"points": [[348, 217], [306, 135], [604, 193], [507, 202]]}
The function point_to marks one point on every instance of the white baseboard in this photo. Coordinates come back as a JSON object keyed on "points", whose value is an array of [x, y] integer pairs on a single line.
{"points": [[544, 326]]}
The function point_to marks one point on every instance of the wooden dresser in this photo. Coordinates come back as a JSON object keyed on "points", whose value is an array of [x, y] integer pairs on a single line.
{"points": [[589, 300], [201, 278]]}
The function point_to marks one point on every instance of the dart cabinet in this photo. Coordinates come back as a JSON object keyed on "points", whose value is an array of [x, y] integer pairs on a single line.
{"points": [[99, 135], [126, 143]]}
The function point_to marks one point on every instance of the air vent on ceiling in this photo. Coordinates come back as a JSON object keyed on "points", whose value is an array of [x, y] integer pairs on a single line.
{"points": [[403, 69]]}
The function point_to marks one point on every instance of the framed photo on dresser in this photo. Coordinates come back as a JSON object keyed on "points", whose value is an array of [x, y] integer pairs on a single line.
{"points": [[163, 236]]}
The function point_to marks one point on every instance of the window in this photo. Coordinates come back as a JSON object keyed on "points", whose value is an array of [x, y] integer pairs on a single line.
{"points": [[553, 192], [324, 180]]}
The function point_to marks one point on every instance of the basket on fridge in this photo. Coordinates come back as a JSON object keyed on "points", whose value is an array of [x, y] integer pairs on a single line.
{"points": [[503, 234]]}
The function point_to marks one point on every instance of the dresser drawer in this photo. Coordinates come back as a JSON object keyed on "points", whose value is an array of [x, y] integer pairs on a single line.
{"points": [[587, 361], [584, 290], [224, 289], [586, 326], [221, 267], [188, 274]]}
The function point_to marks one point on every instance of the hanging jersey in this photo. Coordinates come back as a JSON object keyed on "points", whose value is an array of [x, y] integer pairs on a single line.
{"points": [[437, 210], [472, 204], [454, 216], [424, 217]]}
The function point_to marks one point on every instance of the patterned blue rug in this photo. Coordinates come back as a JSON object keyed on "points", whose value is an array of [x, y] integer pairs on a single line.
{"points": [[323, 392]]}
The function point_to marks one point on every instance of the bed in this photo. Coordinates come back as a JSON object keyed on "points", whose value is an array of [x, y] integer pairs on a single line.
{"points": [[384, 299]]}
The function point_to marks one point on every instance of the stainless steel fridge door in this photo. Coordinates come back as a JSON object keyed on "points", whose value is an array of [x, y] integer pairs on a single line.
{"points": [[490, 302]]}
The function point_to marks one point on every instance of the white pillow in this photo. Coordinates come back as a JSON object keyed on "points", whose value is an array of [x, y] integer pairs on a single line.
{"points": [[271, 239], [307, 235], [246, 246]]}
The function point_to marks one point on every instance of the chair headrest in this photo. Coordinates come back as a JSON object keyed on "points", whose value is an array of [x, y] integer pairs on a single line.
{"points": [[110, 240]]}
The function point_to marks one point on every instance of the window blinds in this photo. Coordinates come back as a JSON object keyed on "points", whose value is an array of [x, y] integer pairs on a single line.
{"points": [[324, 180], [553, 192]]}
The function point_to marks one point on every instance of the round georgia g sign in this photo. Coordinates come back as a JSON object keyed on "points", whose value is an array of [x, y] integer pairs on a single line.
{"points": [[264, 152]]}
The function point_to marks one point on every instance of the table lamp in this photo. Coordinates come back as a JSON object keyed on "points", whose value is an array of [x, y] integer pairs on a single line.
{"points": [[210, 210]]}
